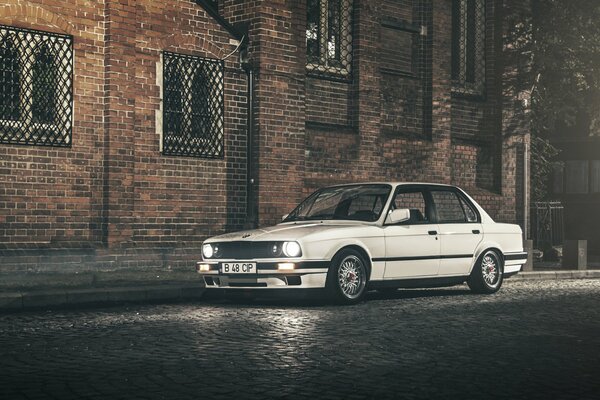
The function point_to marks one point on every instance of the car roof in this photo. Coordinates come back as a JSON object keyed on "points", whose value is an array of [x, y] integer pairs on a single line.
{"points": [[394, 183]]}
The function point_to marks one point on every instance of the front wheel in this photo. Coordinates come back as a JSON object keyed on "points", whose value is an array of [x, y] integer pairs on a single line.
{"points": [[486, 276], [347, 278]]}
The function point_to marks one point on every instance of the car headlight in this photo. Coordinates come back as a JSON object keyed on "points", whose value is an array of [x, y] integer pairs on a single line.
{"points": [[207, 251], [291, 249]]}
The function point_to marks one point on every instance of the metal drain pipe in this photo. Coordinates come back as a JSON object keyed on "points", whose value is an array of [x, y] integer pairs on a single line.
{"points": [[251, 220]]}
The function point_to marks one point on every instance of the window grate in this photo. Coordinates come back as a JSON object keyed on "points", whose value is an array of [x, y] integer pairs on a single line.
{"points": [[193, 106], [329, 38], [36, 87], [468, 46]]}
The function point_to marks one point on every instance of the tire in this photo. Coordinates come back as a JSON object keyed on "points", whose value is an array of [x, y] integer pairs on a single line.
{"points": [[347, 277], [487, 274]]}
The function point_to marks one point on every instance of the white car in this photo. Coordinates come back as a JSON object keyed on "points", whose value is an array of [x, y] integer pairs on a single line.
{"points": [[351, 238]]}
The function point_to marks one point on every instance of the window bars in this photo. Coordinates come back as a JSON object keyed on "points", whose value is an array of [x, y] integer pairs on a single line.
{"points": [[36, 87], [329, 38], [468, 46], [192, 106]]}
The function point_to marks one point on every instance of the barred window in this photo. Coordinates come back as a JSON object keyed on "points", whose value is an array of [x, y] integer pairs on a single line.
{"points": [[193, 106], [468, 46], [36, 83], [329, 37]]}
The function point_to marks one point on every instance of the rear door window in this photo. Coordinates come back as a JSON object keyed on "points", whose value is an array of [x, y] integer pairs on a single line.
{"points": [[449, 207]]}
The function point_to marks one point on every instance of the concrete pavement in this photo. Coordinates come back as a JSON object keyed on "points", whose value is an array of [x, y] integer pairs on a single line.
{"points": [[535, 339]]}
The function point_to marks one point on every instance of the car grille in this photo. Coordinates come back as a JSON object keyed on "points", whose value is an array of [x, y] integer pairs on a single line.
{"points": [[247, 250]]}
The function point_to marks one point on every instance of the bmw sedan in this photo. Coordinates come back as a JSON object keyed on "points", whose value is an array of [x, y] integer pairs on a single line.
{"points": [[351, 238]]}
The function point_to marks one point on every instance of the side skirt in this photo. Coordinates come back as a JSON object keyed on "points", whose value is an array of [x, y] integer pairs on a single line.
{"points": [[418, 283]]}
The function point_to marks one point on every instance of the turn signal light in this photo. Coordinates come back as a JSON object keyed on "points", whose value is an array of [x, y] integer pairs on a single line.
{"points": [[203, 267], [286, 266]]}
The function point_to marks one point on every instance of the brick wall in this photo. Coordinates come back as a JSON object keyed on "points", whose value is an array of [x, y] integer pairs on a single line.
{"points": [[115, 202], [52, 197], [112, 200]]}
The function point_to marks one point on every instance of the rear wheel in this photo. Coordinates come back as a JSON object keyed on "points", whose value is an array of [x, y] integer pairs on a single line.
{"points": [[347, 277], [487, 274]]}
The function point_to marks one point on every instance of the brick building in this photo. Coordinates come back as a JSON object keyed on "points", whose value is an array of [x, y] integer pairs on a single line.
{"points": [[130, 130], [576, 179]]}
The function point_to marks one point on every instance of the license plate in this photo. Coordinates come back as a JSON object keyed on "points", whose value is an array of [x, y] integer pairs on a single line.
{"points": [[238, 268]]}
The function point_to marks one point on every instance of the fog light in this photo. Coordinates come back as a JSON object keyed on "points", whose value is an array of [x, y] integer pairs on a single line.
{"points": [[286, 266], [203, 267]]}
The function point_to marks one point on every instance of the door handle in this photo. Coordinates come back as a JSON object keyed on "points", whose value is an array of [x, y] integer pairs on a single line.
{"points": [[432, 232], [475, 231]]}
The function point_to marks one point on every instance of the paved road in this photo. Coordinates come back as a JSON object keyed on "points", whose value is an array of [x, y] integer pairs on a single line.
{"points": [[532, 340]]}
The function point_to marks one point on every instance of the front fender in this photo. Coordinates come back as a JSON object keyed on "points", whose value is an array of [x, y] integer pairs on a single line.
{"points": [[327, 249], [374, 247]]}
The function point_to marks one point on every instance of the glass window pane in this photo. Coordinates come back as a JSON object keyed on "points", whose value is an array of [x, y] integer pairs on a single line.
{"points": [[333, 30], [595, 181], [558, 172], [200, 105], [312, 30], [577, 176], [10, 77], [44, 79], [470, 213], [456, 38], [448, 206], [415, 202], [470, 42], [173, 98]]}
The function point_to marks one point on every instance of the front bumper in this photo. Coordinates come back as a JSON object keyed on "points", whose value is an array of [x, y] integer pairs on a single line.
{"points": [[304, 275]]}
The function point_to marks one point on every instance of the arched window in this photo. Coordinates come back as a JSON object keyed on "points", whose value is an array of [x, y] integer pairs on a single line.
{"points": [[192, 106], [10, 79], [36, 87], [44, 86]]}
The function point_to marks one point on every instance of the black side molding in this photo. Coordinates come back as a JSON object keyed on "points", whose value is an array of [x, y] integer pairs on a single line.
{"points": [[516, 256]]}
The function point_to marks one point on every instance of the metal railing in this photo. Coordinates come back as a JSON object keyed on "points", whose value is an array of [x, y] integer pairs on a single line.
{"points": [[547, 222]]}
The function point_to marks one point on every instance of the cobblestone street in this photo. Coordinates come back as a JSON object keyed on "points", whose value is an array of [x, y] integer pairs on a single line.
{"points": [[534, 339]]}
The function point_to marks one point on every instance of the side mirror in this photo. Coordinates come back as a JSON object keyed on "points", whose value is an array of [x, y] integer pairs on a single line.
{"points": [[284, 217], [399, 215]]}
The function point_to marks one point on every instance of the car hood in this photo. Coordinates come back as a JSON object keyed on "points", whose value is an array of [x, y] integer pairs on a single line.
{"points": [[287, 231]]}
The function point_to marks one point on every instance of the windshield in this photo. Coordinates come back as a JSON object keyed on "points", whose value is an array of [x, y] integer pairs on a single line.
{"points": [[355, 202]]}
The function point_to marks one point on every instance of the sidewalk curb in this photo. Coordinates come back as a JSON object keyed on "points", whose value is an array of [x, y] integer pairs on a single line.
{"points": [[556, 275], [36, 299], [15, 301]]}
